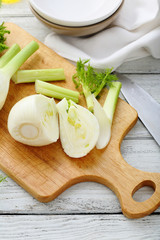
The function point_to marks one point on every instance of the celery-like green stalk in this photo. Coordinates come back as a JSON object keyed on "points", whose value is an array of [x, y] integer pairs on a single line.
{"points": [[13, 50], [20, 58], [88, 96], [105, 115], [11, 67], [54, 91], [26, 76], [111, 100]]}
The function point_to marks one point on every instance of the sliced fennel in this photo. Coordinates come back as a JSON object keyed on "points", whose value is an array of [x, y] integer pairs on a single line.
{"points": [[104, 124], [34, 121], [26, 76], [105, 115], [12, 51], [12, 66], [79, 128], [54, 91], [111, 100]]}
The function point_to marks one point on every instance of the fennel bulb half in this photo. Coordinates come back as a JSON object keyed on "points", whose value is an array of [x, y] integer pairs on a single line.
{"points": [[79, 128], [34, 121]]}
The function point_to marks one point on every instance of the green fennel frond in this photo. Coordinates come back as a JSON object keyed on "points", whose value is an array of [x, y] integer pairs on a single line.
{"points": [[94, 81], [91, 81], [2, 178], [3, 31]]}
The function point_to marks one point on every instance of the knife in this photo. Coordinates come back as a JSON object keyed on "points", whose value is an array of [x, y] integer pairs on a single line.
{"points": [[148, 109]]}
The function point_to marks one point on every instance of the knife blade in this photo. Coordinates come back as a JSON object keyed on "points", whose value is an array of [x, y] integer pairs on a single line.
{"points": [[148, 109]]}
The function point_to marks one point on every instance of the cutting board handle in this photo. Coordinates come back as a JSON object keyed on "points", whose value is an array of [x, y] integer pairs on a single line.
{"points": [[125, 180]]}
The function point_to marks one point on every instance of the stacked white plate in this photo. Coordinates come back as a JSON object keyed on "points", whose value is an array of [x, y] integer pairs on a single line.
{"points": [[76, 17]]}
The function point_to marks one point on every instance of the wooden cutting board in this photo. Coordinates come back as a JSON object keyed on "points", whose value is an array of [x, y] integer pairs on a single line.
{"points": [[45, 172]]}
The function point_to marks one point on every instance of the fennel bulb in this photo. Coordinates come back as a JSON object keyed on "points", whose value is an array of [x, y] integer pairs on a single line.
{"points": [[12, 66], [34, 121], [79, 128]]}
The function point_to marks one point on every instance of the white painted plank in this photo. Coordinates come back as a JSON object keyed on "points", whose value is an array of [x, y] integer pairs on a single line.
{"points": [[142, 154], [21, 8], [143, 65], [72, 227], [84, 197]]}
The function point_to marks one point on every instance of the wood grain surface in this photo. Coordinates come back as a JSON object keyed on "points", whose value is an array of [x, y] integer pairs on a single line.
{"points": [[77, 227], [47, 171]]}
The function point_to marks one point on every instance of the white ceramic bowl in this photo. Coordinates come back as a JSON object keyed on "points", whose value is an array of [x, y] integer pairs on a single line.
{"points": [[75, 13], [78, 31]]}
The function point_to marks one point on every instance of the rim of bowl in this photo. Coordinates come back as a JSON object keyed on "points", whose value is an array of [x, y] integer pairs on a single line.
{"points": [[67, 23], [74, 27]]}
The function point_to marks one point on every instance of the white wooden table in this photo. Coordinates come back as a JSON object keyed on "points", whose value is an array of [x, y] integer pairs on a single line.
{"points": [[88, 211]]}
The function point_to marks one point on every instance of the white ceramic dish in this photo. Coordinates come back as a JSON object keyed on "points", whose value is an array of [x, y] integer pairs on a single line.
{"points": [[78, 31], [75, 13]]}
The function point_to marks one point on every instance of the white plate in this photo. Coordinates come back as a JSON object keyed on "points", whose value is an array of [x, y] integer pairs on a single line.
{"points": [[75, 12]]}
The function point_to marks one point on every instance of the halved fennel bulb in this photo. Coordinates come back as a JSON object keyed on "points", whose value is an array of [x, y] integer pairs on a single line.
{"points": [[34, 121], [79, 129]]}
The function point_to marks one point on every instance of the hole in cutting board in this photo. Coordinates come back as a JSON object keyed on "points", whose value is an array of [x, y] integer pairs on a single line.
{"points": [[143, 191]]}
